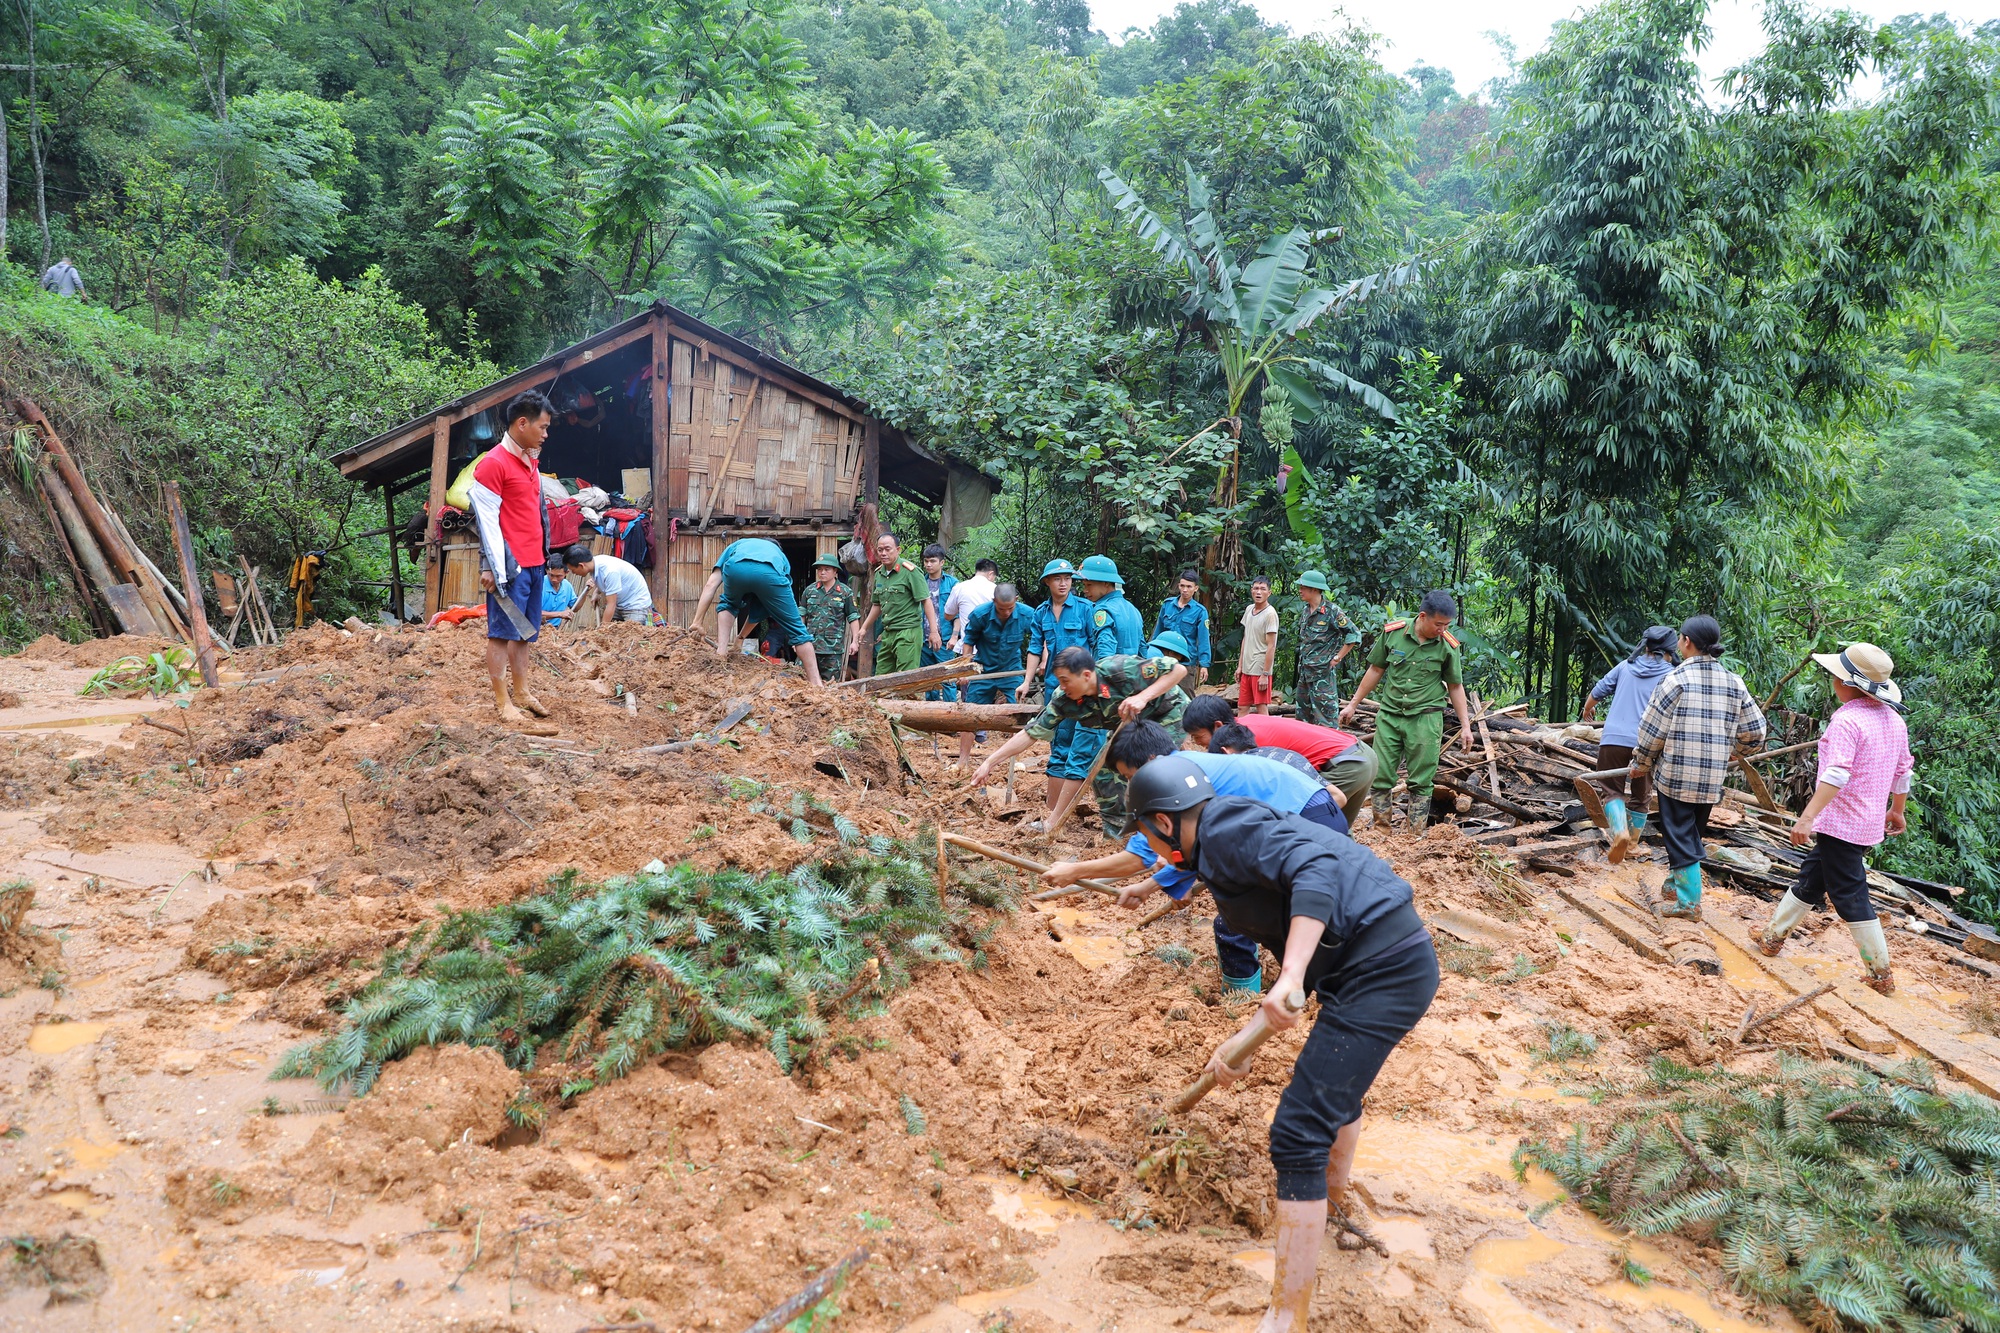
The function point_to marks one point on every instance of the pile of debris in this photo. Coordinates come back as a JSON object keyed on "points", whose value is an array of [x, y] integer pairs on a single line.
{"points": [[1541, 779]]}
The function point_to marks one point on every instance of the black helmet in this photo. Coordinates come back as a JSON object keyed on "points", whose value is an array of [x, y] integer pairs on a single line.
{"points": [[1169, 784]]}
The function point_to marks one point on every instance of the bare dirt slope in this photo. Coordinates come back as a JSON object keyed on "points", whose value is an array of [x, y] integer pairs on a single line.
{"points": [[205, 894]]}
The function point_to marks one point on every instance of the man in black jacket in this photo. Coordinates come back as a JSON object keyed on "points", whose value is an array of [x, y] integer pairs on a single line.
{"points": [[1346, 929]]}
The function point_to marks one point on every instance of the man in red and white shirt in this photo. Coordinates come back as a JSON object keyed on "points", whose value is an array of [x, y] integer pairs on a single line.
{"points": [[513, 548], [1864, 781], [1344, 760]]}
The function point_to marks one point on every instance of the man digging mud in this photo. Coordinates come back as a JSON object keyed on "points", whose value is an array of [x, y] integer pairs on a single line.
{"points": [[1346, 928], [513, 549], [753, 579]]}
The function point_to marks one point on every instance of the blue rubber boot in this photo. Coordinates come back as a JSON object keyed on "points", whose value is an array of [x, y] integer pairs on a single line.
{"points": [[1636, 821], [1686, 884], [1620, 828], [1250, 985]]}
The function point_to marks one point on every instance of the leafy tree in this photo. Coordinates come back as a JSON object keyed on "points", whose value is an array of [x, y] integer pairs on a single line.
{"points": [[1254, 316], [299, 368], [1197, 38], [667, 150], [1676, 306]]}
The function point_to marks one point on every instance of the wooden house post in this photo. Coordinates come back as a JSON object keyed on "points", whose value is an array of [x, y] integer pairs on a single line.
{"points": [[663, 432], [434, 535]]}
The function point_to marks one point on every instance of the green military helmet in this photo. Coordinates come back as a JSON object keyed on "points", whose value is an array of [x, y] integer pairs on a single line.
{"points": [[1312, 578], [831, 562], [1055, 567], [1099, 569], [1173, 642]]}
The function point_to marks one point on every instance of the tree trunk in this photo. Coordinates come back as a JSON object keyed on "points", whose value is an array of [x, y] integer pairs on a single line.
{"points": [[1559, 665], [5, 167], [35, 133]]}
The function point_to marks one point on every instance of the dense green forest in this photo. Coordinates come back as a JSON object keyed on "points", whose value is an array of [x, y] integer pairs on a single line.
{"points": [[1596, 346]]}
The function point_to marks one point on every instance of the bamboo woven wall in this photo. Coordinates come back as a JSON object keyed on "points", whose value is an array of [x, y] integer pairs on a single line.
{"points": [[756, 449]]}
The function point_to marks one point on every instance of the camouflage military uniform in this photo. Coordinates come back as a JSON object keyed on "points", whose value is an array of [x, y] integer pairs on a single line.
{"points": [[1118, 677], [1320, 637], [828, 612]]}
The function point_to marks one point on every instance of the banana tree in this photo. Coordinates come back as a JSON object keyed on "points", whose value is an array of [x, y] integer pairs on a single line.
{"points": [[1254, 315]]}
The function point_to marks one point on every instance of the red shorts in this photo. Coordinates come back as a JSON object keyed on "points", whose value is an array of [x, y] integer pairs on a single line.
{"points": [[1252, 690]]}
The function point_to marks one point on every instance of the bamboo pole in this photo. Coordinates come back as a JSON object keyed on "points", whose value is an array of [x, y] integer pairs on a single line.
{"points": [[92, 556], [204, 648], [92, 603]]}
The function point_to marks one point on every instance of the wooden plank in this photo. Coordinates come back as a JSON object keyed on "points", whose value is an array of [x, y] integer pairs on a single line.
{"points": [[433, 536], [1960, 1059], [204, 648], [1626, 932], [662, 454]]}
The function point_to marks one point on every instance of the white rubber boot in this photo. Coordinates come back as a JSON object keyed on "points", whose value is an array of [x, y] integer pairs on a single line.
{"points": [[1873, 947], [1784, 921]]}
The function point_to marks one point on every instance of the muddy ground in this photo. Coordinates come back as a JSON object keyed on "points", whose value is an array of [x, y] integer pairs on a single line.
{"points": [[207, 889]]}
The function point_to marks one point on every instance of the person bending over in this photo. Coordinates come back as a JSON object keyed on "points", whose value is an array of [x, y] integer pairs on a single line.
{"points": [[1252, 778], [1100, 695], [1346, 930], [626, 596], [753, 577]]}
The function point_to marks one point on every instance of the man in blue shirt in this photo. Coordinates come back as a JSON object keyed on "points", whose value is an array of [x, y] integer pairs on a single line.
{"points": [[1256, 779], [1182, 614], [941, 585], [558, 598], [996, 634], [1061, 622]]}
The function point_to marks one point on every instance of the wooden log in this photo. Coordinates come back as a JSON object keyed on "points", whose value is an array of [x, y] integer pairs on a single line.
{"points": [[93, 605], [204, 650], [1493, 799], [1023, 863], [921, 678], [173, 594], [1238, 1049], [86, 503], [131, 618], [939, 716], [808, 1297]]}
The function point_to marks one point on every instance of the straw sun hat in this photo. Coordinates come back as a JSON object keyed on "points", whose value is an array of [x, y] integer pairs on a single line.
{"points": [[1865, 667]]}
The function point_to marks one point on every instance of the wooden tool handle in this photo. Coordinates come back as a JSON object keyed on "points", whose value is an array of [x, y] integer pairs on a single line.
{"points": [[1238, 1049], [1023, 863]]}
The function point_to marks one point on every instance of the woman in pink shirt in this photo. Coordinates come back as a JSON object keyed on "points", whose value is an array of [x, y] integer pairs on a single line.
{"points": [[1864, 780]]}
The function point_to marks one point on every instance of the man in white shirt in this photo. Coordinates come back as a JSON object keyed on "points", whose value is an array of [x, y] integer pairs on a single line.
{"points": [[626, 596], [967, 597], [1259, 651]]}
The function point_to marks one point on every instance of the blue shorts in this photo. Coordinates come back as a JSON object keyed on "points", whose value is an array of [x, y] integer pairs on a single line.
{"points": [[993, 691], [754, 591], [524, 590], [1073, 749]]}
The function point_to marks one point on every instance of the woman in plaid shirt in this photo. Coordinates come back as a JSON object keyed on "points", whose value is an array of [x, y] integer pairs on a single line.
{"points": [[1864, 779], [1698, 717]]}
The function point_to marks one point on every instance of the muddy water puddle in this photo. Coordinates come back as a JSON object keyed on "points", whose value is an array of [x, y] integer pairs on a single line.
{"points": [[56, 1038]]}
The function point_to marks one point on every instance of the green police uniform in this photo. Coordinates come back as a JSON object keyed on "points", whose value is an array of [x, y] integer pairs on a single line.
{"points": [[1321, 635], [901, 594], [1409, 727], [828, 612], [1119, 677]]}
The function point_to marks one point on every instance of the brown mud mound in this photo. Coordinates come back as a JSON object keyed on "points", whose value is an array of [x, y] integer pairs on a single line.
{"points": [[94, 653]]}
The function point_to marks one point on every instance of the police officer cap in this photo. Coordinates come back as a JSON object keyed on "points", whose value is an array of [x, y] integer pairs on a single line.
{"points": [[1173, 642], [1099, 569], [1312, 578], [831, 562], [1055, 567], [1169, 784]]}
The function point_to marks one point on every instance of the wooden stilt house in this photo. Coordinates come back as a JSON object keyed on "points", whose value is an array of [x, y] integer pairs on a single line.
{"points": [[710, 437]]}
